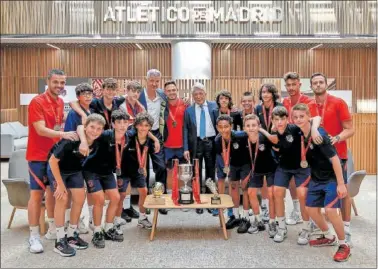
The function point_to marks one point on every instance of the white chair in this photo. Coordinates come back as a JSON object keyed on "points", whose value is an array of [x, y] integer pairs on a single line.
{"points": [[354, 184]]}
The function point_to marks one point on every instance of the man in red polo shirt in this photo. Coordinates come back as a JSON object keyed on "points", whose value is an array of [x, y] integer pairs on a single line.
{"points": [[293, 87], [337, 121], [45, 117], [173, 129]]}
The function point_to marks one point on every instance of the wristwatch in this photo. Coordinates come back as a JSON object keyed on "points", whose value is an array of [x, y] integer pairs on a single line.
{"points": [[337, 137]]}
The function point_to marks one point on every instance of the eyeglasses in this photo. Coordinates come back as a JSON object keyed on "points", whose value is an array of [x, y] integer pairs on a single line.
{"points": [[86, 94]]}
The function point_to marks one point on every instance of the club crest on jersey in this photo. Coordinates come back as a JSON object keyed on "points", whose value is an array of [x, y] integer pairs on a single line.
{"points": [[262, 147], [289, 138], [235, 145]]}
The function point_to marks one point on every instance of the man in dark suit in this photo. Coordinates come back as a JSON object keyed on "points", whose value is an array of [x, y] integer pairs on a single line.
{"points": [[199, 132]]}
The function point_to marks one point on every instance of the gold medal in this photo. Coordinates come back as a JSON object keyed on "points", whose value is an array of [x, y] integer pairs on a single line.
{"points": [[304, 164], [56, 127], [226, 170]]}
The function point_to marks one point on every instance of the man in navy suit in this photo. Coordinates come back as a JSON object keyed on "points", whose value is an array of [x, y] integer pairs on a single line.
{"points": [[155, 102], [199, 132]]}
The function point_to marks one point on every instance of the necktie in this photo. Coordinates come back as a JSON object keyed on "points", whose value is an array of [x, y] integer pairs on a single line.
{"points": [[202, 123]]}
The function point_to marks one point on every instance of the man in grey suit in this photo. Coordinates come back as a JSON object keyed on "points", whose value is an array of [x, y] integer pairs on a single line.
{"points": [[199, 132]]}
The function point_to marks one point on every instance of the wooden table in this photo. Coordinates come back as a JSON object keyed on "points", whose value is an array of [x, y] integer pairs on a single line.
{"points": [[206, 203]]}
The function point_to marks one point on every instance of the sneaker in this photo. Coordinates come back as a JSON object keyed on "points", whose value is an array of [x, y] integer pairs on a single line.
{"points": [[250, 212], [98, 240], [232, 223], [145, 223], [315, 231], [125, 216], [280, 235], [272, 229], [323, 241], [51, 234], [119, 221], [112, 234], [91, 225], [131, 212], [256, 226], [342, 254], [63, 248], [82, 227], [304, 237], [118, 229], [294, 218], [163, 211], [348, 239], [76, 242], [215, 212], [244, 226], [35, 244], [265, 214]]}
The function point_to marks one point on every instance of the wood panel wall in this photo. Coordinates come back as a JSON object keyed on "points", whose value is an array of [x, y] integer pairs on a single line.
{"points": [[353, 69]]}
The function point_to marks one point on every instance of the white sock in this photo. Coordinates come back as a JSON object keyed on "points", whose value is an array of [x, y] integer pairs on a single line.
{"points": [[52, 226], [108, 226], [328, 235], [34, 231], [281, 222], [258, 217], [60, 232], [265, 203], [246, 214], [71, 229], [90, 210], [97, 229], [271, 220], [117, 219], [342, 242], [235, 210], [126, 202], [67, 215], [306, 224], [347, 227], [296, 205], [142, 216]]}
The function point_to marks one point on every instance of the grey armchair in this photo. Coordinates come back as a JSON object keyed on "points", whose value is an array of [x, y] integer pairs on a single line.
{"points": [[18, 186], [14, 136]]}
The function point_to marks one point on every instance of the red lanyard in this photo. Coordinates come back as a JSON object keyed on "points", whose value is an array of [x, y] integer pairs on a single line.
{"points": [[291, 107], [226, 153], [303, 148], [173, 118], [253, 160], [269, 118], [323, 111], [118, 153], [55, 111], [141, 158]]}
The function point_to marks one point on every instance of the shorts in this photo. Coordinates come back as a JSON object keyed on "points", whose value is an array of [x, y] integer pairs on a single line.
{"points": [[323, 194], [122, 184], [137, 181], [282, 177], [344, 167], [96, 182], [71, 181], [236, 172], [38, 175], [173, 153], [257, 180]]}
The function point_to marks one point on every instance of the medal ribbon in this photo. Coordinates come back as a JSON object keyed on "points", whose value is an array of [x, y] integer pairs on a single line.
{"points": [[324, 108], [141, 158], [269, 118], [55, 111], [118, 153], [303, 149], [253, 160], [170, 113], [226, 152]]}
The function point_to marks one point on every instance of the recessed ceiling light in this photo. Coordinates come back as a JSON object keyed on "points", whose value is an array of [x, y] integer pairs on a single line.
{"points": [[227, 47], [55, 47], [139, 46]]}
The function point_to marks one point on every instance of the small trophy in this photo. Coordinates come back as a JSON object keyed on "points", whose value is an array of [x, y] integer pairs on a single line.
{"points": [[215, 200], [186, 193], [157, 191]]}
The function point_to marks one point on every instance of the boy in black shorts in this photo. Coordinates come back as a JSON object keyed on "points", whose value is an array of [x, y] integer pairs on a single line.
{"points": [[232, 164], [65, 172], [326, 188]]}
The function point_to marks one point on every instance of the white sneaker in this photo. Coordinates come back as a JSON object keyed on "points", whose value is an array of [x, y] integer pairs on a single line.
{"points": [[82, 228], [294, 218], [35, 244], [119, 221], [280, 235], [51, 234], [303, 237], [265, 214], [250, 212]]}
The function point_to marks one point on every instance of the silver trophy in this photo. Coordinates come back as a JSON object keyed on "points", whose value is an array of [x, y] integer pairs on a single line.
{"points": [[215, 200], [185, 174]]}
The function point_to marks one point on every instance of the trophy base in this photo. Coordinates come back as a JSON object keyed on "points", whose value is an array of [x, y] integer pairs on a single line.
{"points": [[186, 198], [215, 200], [158, 201]]}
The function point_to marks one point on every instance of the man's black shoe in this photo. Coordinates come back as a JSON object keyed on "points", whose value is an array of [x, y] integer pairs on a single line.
{"points": [[113, 235], [131, 212], [232, 223], [244, 226], [163, 211], [199, 211], [125, 216]]}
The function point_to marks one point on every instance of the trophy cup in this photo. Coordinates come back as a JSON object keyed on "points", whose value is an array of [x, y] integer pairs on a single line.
{"points": [[157, 191], [215, 200], [185, 174]]}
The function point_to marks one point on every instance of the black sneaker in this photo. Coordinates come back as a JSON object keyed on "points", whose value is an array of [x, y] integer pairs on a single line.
{"points": [[98, 240], [232, 223], [125, 216], [131, 212], [199, 211], [244, 226], [163, 211], [76, 242], [62, 247], [113, 235], [261, 225]]}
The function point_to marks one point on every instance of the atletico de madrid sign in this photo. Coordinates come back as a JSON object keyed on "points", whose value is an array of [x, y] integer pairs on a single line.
{"points": [[142, 14]]}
